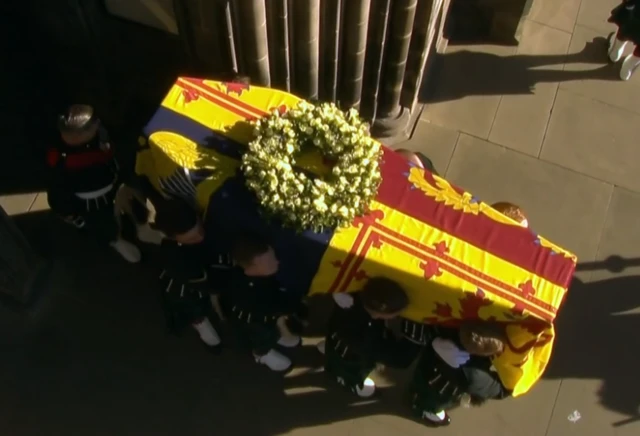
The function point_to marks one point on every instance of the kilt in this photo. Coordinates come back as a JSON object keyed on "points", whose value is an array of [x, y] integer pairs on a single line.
{"points": [[627, 17]]}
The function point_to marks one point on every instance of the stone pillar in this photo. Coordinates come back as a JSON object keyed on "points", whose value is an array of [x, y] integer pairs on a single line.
{"points": [[278, 30], [250, 21], [19, 264], [355, 25], [376, 40], [305, 17], [330, 18], [391, 117], [423, 39]]}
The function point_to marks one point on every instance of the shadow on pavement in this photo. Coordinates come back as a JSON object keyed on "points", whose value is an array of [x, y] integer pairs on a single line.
{"points": [[468, 73], [92, 357], [597, 337]]}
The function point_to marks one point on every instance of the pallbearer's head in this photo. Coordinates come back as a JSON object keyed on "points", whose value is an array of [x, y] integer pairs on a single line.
{"points": [[512, 211], [253, 253], [78, 125], [483, 339], [383, 298]]}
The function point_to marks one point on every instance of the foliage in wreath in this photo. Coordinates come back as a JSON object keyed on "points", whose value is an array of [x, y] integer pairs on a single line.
{"points": [[303, 200]]}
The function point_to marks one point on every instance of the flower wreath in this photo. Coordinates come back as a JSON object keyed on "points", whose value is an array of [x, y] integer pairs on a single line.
{"points": [[303, 200]]}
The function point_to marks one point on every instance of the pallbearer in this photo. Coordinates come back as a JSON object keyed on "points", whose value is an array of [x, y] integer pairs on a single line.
{"points": [[193, 275], [85, 177], [456, 364], [358, 338], [258, 306]]}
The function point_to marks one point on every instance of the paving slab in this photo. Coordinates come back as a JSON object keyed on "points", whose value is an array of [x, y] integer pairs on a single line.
{"points": [[41, 203], [470, 85], [594, 138], [521, 120], [601, 80], [16, 204], [560, 15], [553, 197], [595, 13], [433, 141], [595, 353], [528, 415]]}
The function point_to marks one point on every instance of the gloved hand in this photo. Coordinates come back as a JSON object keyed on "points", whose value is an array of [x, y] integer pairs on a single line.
{"points": [[343, 300], [450, 353]]}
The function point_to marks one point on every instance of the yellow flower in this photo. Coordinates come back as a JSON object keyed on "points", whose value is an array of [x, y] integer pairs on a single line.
{"points": [[343, 211]]}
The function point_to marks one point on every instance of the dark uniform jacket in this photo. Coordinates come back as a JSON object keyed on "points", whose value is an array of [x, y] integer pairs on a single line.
{"points": [[257, 300], [356, 336], [81, 169]]}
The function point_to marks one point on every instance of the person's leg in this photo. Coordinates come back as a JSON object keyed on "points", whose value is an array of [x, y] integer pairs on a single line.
{"points": [[263, 339], [617, 43], [103, 225], [352, 373], [427, 403], [200, 312], [630, 64]]}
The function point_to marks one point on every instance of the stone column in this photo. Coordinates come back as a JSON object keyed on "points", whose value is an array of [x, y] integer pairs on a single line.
{"points": [[376, 40], [391, 117], [250, 21], [330, 18], [278, 30], [305, 17], [424, 37], [19, 264], [355, 25]]}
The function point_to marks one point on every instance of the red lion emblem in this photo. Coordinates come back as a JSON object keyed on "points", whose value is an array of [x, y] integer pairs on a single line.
{"points": [[236, 88]]}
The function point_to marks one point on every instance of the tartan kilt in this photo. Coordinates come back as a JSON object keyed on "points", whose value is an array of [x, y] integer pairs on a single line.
{"points": [[435, 385], [183, 305], [349, 368], [628, 22]]}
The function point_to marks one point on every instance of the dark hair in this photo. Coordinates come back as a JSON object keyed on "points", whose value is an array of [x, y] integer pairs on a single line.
{"points": [[174, 216], [383, 295], [483, 338], [77, 118], [247, 246]]}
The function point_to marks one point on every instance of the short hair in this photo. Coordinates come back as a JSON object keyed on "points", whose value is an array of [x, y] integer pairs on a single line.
{"points": [[510, 210], [246, 246], [484, 339], [383, 295], [77, 118]]}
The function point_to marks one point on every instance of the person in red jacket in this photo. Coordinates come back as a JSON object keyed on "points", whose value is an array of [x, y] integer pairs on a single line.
{"points": [[85, 178], [627, 17]]}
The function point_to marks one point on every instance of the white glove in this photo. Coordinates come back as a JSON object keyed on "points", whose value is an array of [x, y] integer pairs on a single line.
{"points": [[343, 300], [449, 353]]}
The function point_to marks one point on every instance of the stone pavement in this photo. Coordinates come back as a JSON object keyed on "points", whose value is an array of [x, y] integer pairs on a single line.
{"points": [[546, 125]]}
